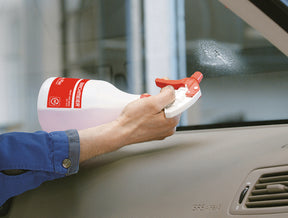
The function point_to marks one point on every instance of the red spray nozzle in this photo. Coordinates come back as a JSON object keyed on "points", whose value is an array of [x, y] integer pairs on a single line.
{"points": [[198, 76], [192, 83]]}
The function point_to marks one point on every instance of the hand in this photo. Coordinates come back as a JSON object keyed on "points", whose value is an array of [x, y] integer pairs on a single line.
{"points": [[144, 120], [140, 121]]}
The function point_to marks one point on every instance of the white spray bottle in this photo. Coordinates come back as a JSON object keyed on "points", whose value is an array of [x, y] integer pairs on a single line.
{"points": [[68, 103]]}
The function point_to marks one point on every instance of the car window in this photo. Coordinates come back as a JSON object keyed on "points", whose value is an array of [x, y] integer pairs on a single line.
{"points": [[131, 43]]}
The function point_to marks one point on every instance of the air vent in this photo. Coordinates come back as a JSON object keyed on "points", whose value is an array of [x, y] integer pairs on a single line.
{"points": [[264, 191], [271, 190]]}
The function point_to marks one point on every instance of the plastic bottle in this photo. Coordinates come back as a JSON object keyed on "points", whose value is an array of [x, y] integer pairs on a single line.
{"points": [[69, 103]]}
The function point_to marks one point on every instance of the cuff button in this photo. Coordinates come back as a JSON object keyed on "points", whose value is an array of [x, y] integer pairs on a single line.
{"points": [[66, 163]]}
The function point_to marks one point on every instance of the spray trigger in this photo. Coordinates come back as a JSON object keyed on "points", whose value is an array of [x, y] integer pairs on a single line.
{"points": [[192, 83], [187, 92]]}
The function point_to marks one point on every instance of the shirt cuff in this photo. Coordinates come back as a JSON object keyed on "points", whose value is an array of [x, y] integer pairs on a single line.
{"points": [[74, 151]]}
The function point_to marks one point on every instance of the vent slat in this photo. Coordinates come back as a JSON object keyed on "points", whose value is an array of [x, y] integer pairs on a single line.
{"points": [[273, 179], [270, 203], [275, 174], [263, 185], [259, 192], [268, 197]]}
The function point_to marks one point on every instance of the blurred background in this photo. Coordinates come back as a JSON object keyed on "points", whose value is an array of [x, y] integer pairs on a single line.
{"points": [[130, 43]]}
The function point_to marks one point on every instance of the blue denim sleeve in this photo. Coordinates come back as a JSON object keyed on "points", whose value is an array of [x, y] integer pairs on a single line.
{"points": [[43, 156]]}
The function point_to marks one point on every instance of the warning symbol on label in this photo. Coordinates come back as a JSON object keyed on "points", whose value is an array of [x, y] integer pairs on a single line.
{"points": [[54, 101]]}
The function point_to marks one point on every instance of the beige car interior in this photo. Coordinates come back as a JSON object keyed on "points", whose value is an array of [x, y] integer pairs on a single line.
{"points": [[236, 172]]}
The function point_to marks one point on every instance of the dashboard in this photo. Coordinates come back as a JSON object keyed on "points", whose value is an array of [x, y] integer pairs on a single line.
{"points": [[200, 173]]}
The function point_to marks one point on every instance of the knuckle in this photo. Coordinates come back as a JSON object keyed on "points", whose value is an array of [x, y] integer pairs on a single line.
{"points": [[168, 133], [171, 132], [173, 122], [162, 137]]}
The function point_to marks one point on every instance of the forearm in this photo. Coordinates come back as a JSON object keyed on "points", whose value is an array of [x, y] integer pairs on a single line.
{"points": [[100, 140]]}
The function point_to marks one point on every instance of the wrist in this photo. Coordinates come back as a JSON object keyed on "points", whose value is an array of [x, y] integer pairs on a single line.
{"points": [[99, 140]]}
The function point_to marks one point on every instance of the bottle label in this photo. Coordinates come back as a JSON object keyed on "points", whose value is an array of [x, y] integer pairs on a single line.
{"points": [[62, 91], [78, 94]]}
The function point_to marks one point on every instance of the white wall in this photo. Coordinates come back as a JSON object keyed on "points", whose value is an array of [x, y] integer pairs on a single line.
{"points": [[10, 63], [29, 53]]}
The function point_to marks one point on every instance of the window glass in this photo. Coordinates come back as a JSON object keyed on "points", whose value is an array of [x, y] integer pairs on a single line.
{"points": [[245, 76], [130, 43], [285, 2], [96, 37]]}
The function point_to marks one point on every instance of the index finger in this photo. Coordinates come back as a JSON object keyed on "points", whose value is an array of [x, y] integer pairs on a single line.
{"points": [[165, 97]]}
